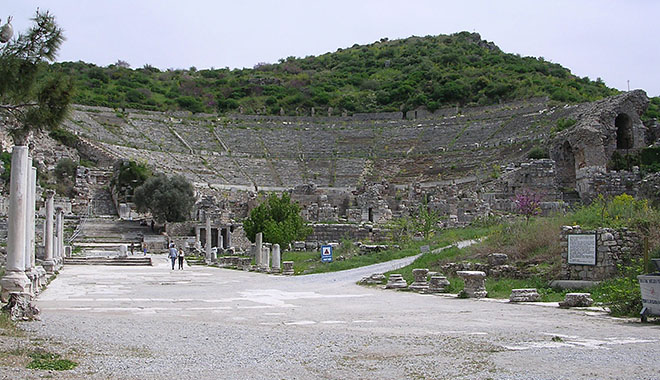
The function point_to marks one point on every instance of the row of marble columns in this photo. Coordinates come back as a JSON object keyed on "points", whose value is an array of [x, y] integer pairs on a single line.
{"points": [[23, 276], [210, 254], [267, 259]]}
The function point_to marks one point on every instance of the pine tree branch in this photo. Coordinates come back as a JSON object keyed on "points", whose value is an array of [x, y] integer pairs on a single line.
{"points": [[11, 107]]}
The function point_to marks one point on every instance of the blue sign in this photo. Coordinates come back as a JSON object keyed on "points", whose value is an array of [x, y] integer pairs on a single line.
{"points": [[326, 253]]}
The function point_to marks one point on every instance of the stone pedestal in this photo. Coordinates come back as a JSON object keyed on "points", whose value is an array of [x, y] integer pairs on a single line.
{"points": [[438, 284], [419, 284], [287, 268], [524, 295], [577, 300], [123, 250], [396, 281], [276, 264], [15, 280], [475, 283]]}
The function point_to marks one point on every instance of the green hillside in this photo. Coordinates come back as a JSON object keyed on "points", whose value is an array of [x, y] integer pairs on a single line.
{"points": [[431, 71]]}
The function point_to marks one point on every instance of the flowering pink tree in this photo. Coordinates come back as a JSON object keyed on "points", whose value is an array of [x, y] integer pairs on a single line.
{"points": [[528, 203]]}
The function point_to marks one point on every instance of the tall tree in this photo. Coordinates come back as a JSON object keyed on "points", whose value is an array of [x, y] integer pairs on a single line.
{"points": [[279, 219], [31, 98], [169, 199]]}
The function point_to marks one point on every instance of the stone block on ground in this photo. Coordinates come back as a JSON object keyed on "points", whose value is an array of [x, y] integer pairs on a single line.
{"points": [[287, 268], [577, 300], [496, 259], [438, 284], [524, 295], [374, 279], [396, 281]]}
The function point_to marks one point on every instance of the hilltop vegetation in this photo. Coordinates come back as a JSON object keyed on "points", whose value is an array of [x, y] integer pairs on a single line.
{"points": [[404, 74]]}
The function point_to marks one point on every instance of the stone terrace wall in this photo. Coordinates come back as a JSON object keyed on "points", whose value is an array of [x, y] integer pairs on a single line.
{"points": [[613, 248], [326, 233]]}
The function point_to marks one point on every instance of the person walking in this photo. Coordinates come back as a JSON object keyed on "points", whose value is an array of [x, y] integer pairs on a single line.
{"points": [[173, 254], [181, 255]]}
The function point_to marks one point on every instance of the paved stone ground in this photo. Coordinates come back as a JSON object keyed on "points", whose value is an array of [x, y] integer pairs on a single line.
{"points": [[209, 323]]}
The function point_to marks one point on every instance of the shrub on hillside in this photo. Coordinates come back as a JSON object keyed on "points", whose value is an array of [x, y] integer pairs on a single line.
{"points": [[169, 199]]}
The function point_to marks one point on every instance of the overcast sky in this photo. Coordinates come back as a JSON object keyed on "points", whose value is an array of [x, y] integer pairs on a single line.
{"points": [[616, 40]]}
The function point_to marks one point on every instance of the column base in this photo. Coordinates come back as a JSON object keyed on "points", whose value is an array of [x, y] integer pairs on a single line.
{"points": [[20, 307], [49, 266], [14, 282], [42, 277]]}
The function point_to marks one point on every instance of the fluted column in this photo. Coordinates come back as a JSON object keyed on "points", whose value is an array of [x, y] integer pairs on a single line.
{"points": [[49, 261], [15, 280]]}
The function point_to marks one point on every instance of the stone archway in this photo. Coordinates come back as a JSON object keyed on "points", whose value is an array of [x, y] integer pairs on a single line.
{"points": [[566, 167], [624, 131]]}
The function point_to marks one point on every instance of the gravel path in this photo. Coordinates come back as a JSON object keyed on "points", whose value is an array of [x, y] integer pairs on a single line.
{"points": [[209, 323]]}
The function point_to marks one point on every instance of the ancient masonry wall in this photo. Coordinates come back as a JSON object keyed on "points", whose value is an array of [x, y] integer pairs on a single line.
{"points": [[613, 247], [616, 183], [326, 233]]}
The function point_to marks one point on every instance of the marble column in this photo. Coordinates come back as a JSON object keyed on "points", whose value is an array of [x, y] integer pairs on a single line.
{"points": [[258, 249], [209, 252], [15, 280], [30, 271], [229, 237], [197, 237], [276, 262], [59, 223], [214, 254], [49, 262], [265, 261]]}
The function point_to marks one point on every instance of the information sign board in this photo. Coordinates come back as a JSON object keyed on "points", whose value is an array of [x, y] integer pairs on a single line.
{"points": [[582, 249]]}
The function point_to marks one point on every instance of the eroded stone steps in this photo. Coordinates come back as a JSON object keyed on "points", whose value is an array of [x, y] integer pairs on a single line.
{"points": [[95, 260]]}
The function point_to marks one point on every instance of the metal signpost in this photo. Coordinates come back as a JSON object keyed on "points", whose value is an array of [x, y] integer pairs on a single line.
{"points": [[326, 253]]}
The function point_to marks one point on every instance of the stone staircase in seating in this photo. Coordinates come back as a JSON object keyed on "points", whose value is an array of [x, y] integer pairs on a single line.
{"points": [[101, 237]]}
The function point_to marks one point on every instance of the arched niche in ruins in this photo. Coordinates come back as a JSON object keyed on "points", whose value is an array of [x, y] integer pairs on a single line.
{"points": [[624, 131], [566, 167]]}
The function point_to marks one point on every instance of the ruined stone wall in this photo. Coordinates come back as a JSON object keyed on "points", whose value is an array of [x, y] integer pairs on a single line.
{"points": [[615, 183], [588, 146], [326, 233], [181, 228], [613, 248], [535, 175]]}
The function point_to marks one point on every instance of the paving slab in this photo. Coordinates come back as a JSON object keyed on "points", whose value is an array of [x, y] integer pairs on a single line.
{"points": [[211, 323]]}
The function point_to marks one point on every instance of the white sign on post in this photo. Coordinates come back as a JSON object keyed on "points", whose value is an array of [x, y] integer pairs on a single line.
{"points": [[582, 249]]}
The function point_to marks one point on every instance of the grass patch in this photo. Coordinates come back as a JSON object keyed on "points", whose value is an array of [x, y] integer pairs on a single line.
{"points": [[8, 327], [501, 288], [310, 262], [49, 361]]}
